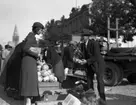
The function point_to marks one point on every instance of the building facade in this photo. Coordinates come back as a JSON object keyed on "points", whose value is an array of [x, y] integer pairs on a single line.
{"points": [[79, 19]]}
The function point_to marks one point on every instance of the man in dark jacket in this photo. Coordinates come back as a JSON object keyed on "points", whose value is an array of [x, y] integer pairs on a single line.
{"points": [[55, 60], [94, 63], [68, 55]]}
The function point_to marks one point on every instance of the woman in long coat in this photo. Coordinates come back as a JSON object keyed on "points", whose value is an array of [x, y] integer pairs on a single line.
{"points": [[10, 77], [29, 78]]}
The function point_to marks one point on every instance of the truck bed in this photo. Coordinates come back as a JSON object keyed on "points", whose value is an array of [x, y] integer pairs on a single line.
{"points": [[121, 54], [119, 58]]}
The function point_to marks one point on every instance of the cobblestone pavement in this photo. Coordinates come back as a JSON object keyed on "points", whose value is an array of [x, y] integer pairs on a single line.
{"points": [[124, 94]]}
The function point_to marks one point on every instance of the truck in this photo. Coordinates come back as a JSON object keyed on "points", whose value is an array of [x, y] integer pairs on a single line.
{"points": [[120, 63]]}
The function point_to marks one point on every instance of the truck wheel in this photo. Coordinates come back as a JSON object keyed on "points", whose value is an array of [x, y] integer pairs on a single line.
{"points": [[110, 76], [132, 78], [120, 73], [113, 74]]}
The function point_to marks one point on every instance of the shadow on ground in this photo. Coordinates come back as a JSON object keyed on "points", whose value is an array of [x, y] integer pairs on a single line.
{"points": [[125, 82], [118, 99]]}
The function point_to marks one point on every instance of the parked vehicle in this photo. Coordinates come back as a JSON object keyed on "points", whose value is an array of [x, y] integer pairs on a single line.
{"points": [[120, 63]]}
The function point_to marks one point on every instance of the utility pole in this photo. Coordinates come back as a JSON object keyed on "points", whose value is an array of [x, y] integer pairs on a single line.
{"points": [[113, 29], [117, 32], [108, 37]]}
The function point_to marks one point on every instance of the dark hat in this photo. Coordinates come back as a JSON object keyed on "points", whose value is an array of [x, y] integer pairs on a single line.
{"points": [[38, 25], [85, 34], [10, 44]]}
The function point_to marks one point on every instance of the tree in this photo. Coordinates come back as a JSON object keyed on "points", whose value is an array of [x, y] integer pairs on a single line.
{"points": [[52, 29], [122, 9], [62, 18], [49, 24]]}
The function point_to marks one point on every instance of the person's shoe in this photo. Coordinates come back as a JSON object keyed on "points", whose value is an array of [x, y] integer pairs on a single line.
{"points": [[34, 99], [102, 102], [108, 89]]}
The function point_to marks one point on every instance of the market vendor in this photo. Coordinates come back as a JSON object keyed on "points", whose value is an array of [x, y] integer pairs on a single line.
{"points": [[94, 62]]}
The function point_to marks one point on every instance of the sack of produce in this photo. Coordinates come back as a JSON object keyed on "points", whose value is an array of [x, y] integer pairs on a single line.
{"points": [[45, 73]]}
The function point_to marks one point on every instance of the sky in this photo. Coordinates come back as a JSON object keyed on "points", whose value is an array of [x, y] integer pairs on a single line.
{"points": [[23, 13]]}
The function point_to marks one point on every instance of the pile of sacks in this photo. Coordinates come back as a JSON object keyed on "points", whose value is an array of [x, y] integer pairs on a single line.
{"points": [[45, 73]]}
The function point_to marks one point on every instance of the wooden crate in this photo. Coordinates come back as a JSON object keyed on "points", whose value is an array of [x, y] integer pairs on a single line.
{"points": [[48, 86], [47, 103]]}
